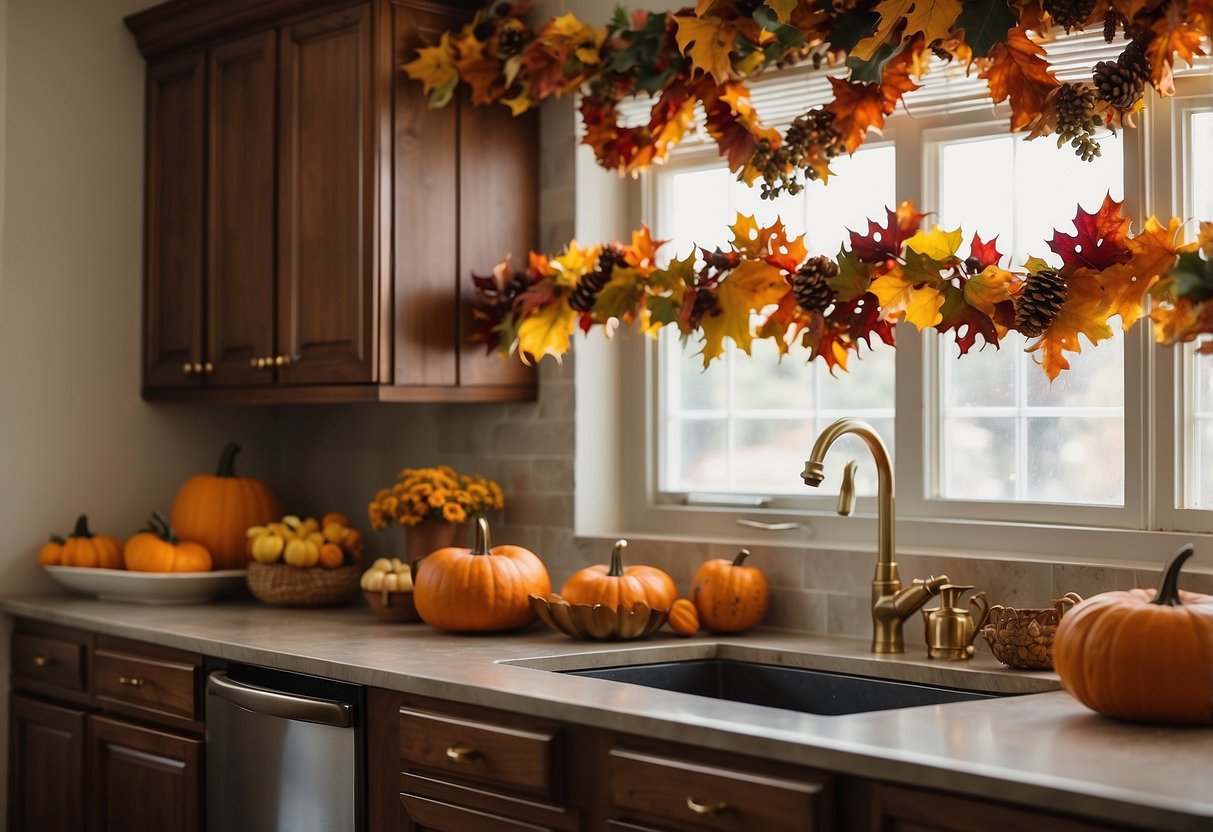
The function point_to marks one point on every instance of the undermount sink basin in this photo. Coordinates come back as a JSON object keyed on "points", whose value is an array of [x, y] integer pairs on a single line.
{"points": [[774, 686]]}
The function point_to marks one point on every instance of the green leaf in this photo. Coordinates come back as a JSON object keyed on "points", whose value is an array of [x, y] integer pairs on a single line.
{"points": [[789, 37], [1193, 277], [985, 23], [872, 71], [850, 28], [783, 9], [853, 278], [620, 19], [663, 310]]}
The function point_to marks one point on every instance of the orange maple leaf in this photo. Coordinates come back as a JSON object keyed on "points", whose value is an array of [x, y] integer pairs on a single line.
{"points": [[1153, 255], [900, 72], [1017, 70], [857, 106], [707, 41], [478, 71], [642, 253], [1084, 313], [733, 122], [1172, 35]]}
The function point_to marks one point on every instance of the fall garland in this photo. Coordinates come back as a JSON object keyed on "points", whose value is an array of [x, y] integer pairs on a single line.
{"points": [[703, 55], [765, 285]]}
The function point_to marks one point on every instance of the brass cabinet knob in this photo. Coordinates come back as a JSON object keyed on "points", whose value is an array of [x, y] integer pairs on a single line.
{"points": [[187, 368], [252, 362], [282, 360], [42, 661], [706, 809], [133, 681], [462, 754], [197, 367], [208, 367]]}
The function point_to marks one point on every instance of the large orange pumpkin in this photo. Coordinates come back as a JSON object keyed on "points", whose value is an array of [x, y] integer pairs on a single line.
{"points": [[615, 585], [730, 596], [216, 510], [83, 548], [482, 589], [1140, 654], [157, 549]]}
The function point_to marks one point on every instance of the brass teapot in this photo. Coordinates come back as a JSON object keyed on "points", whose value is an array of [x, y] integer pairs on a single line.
{"points": [[950, 628]]}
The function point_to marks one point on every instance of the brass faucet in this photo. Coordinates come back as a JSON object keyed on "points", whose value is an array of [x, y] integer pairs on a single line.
{"points": [[891, 604]]}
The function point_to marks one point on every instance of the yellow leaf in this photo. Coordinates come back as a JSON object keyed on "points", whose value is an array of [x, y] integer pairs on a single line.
{"points": [[748, 288], [1206, 240], [1084, 313], [917, 302], [891, 12], [707, 41], [435, 68], [745, 235], [519, 103], [546, 331], [983, 291], [574, 262], [936, 243], [934, 18]]}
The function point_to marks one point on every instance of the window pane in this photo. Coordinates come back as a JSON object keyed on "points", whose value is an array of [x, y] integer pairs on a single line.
{"points": [[1198, 462], [1006, 433], [747, 423]]}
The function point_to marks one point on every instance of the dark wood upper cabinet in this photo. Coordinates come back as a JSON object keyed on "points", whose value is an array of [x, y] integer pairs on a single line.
{"points": [[311, 224]]}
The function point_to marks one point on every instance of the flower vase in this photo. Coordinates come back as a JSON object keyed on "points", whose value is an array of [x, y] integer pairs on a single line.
{"points": [[430, 536]]}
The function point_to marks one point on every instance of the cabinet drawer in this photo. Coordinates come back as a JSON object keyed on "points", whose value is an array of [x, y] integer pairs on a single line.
{"points": [[149, 683], [526, 759], [680, 794], [46, 660], [435, 816]]}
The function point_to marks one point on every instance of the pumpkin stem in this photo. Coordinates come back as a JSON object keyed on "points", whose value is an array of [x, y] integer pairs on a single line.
{"points": [[227, 460], [741, 556], [57, 539], [616, 569], [81, 529], [483, 545], [1168, 590], [165, 532]]}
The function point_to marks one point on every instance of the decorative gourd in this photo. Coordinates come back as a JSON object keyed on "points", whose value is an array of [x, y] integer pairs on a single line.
{"points": [[51, 553], [1139, 654], [684, 618], [387, 576], [157, 549], [83, 548], [616, 586], [482, 589], [331, 556], [216, 510], [730, 597]]}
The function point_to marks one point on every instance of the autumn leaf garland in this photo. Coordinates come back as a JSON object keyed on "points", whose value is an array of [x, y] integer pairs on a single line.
{"points": [[896, 271]]}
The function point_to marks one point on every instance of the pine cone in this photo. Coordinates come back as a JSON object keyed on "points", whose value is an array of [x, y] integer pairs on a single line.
{"points": [[591, 283], [1122, 82], [810, 286], [1038, 303], [511, 40], [1076, 120], [1069, 14]]}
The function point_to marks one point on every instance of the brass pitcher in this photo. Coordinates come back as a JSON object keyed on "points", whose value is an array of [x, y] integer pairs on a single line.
{"points": [[950, 628]]}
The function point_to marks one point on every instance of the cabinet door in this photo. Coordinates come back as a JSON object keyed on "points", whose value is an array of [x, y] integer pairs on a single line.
{"points": [[173, 223], [46, 767], [240, 221], [143, 779], [326, 303]]}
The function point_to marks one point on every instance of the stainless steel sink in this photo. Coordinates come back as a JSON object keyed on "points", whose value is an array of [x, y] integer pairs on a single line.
{"points": [[776, 686]]}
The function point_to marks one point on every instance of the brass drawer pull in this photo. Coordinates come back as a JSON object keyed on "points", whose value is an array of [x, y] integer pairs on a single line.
{"points": [[462, 754], [133, 681], [42, 661], [706, 809]]}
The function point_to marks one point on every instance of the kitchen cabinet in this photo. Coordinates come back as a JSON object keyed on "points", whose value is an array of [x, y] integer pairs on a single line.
{"points": [[105, 734], [311, 225]]}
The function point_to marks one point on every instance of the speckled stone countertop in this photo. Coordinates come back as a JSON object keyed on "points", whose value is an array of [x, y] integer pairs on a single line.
{"points": [[1041, 750]]}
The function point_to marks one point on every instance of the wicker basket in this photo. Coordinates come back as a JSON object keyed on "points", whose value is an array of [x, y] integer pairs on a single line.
{"points": [[1024, 638], [287, 586]]}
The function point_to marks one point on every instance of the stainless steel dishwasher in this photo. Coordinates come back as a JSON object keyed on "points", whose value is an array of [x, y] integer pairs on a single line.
{"points": [[283, 752]]}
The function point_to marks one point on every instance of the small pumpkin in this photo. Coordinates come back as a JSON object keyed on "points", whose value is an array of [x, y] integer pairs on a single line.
{"points": [[1141, 654], [157, 549], [684, 618], [51, 553], [730, 596], [83, 548], [615, 585], [216, 510], [387, 576], [331, 556], [482, 589]]}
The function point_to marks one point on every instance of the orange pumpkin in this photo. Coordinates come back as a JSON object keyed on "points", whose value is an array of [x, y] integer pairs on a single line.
{"points": [[684, 618], [83, 548], [616, 586], [1141, 654], [51, 553], [730, 597], [217, 510], [482, 589], [331, 556], [157, 549]]}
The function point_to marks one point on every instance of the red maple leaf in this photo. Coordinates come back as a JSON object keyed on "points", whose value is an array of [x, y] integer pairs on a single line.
{"points": [[984, 252], [965, 320], [1100, 241], [884, 242]]}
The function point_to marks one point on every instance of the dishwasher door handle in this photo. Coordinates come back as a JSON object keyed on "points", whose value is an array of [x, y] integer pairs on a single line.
{"points": [[280, 705]]}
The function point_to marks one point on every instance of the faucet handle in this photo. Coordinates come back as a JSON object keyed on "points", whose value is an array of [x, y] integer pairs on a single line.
{"points": [[846, 493]]}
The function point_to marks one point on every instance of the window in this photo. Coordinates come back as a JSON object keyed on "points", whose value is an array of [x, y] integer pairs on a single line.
{"points": [[1197, 491]]}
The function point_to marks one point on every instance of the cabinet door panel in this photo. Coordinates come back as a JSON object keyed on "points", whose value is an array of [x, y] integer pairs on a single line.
{"points": [[173, 222], [144, 779], [240, 221], [46, 767], [326, 303]]}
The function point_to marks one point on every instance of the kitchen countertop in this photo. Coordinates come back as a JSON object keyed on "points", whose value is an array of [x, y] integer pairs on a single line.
{"points": [[1042, 750]]}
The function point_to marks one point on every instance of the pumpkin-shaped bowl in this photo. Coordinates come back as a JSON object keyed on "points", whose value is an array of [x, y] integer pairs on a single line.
{"points": [[283, 585], [1023, 639], [598, 622], [392, 607]]}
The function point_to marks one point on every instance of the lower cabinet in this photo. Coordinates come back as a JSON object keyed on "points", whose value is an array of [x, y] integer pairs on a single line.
{"points": [[45, 766], [143, 778]]}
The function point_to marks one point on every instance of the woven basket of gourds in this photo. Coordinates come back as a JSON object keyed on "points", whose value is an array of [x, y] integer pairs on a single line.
{"points": [[288, 586], [1024, 638]]}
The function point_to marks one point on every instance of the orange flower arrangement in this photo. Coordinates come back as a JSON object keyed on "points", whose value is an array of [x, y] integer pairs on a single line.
{"points": [[433, 494]]}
